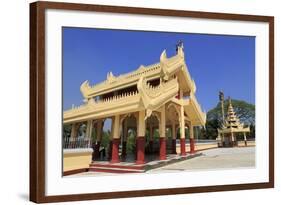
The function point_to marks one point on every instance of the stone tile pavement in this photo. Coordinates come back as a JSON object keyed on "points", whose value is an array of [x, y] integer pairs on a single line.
{"points": [[212, 159]]}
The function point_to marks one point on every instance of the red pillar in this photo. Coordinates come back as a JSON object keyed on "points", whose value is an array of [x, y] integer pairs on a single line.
{"points": [[191, 143], [115, 151], [162, 154], [96, 150], [124, 149], [174, 146], [140, 150], [182, 142]]}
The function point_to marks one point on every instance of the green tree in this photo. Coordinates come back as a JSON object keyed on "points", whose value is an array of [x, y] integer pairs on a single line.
{"points": [[252, 131], [244, 111], [66, 130], [131, 141], [105, 138], [211, 129]]}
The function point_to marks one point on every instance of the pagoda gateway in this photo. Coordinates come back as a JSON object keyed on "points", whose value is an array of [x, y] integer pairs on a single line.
{"points": [[160, 96]]}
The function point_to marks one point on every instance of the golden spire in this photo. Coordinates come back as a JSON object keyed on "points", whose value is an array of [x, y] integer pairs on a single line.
{"points": [[231, 119]]}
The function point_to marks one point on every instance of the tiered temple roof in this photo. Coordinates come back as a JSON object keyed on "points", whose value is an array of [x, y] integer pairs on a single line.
{"points": [[147, 88]]}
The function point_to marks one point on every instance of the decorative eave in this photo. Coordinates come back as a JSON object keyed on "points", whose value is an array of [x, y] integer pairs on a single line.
{"points": [[232, 130], [154, 97], [113, 83], [147, 97], [194, 111]]}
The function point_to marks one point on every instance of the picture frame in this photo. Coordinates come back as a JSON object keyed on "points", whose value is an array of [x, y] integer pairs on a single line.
{"points": [[39, 87]]}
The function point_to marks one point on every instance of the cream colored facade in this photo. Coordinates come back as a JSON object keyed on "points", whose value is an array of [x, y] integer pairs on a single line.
{"points": [[160, 96], [75, 159]]}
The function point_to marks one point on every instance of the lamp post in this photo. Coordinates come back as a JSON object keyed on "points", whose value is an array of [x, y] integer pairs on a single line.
{"points": [[221, 97]]}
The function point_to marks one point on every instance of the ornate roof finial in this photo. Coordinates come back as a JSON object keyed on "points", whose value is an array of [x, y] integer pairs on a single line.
{"points": [[221, 95], [179, 45], [110, 77], [229, 101], [163, 56], [179, 48]]}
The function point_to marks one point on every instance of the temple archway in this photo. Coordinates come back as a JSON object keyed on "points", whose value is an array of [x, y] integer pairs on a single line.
{"points": [[128, 137], [152, 134]]}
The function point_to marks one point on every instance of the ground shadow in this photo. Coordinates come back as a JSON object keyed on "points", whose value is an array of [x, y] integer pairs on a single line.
{"points": [[24, 196]]}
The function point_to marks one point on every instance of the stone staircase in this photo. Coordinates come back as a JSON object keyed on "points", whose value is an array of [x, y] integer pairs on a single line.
{"points": [[131, 167], [116, 168]]}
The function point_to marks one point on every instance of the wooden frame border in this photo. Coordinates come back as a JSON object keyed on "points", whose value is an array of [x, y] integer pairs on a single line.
{"points": [[37, 100]]}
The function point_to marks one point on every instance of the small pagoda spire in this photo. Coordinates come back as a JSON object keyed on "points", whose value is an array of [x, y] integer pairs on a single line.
{"points": [[229, 101], [230, 127], [230, 108], [231, 119]]}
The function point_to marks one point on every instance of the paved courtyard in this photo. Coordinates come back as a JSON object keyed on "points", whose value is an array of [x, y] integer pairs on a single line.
{"points": [[220, 158], [212, 159]]}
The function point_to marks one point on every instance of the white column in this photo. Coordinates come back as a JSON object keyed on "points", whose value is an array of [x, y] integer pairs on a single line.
{"points": [[245, 138], [73, 130], [89, 129], [124, 139], [182, 124], [191, 138], [141, 124], [232, 137], [99, 130], [162, 139], [73, 135], [191, 131], [116, 127]]}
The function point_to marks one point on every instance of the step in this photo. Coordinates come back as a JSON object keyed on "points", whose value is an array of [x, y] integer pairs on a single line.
{"points": [[114, 170], [120, 166]]}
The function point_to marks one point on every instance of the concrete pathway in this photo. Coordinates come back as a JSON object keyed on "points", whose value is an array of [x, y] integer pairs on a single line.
{"points": [[213, 159]]}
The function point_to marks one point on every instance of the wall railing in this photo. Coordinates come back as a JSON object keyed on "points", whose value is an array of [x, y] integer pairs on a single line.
{"points": [[76, 143]]}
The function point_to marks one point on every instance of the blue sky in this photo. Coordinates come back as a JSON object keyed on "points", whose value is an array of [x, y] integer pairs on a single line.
{"points": [[215, 62]]}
